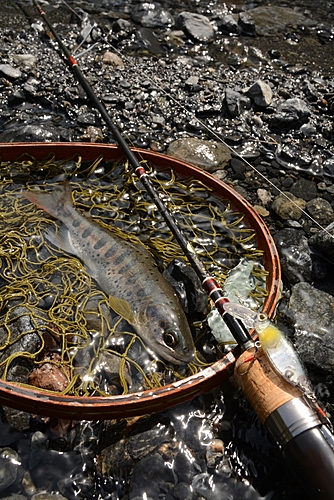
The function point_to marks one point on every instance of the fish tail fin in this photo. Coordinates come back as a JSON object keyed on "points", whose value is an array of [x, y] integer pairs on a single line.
{"points": [[54, 202]]}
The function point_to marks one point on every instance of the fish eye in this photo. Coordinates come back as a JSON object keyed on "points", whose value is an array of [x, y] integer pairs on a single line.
{"points": [[262, 317], [170, 338]]}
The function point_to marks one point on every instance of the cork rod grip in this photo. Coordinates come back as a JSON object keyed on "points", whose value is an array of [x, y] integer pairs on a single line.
{"points": [[263, 388]]}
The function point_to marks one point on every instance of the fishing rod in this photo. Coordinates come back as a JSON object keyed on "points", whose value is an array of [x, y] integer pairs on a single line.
{"points": [[295, 420], [210, 285]]}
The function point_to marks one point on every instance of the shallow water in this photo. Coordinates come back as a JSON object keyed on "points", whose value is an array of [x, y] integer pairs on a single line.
{"points": [[177, 454]]}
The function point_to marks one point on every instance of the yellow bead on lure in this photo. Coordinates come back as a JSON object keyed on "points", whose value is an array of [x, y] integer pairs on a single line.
{"points": [[278, 349]]}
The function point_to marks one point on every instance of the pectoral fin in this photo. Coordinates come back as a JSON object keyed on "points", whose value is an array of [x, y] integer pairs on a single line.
{"points": [[122, 307]]}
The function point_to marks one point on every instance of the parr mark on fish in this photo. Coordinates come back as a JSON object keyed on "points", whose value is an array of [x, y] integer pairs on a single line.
{"points": [[150, 305]]}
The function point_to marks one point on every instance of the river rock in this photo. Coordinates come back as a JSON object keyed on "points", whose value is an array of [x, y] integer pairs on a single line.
{"points": [[9, 72], [236, 102], [112, 59], [16, 496], [9, 465], [247, 24], [295, 255], [209, 155], [228, 25], [122, 26], [152, 15], [188, 287], [323, 241], [212, 487], [270, 19], [44, 495], [291, 114], [196, 26], [289, 206], [18, 420], [181, 491], [313, 313], [42, 132], [147, 39], [305, 189], [260, 93], [150, 477], [321, 210], [26, 61], [264, 196]]}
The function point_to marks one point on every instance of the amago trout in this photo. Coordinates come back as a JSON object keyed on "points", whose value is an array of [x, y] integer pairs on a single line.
{"points": [[125, 272]]}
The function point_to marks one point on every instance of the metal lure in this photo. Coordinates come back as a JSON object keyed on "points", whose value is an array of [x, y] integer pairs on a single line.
{"points": [[278, 349]]}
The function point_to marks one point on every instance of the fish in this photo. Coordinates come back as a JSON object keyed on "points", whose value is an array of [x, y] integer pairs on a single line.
{"points": [[278, 349], [124, 271]]}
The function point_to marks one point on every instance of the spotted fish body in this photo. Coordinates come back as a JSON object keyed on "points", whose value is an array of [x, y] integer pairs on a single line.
{"points": [[125, 272]]}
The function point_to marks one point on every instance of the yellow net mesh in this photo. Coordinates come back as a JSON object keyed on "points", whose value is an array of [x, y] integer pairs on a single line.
{"points": [[57, 331]]}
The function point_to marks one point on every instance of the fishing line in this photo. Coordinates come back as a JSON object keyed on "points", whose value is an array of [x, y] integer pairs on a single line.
{"points": [[210, 285], [181, 214], [72, 10], [208, 128], [212, 132]]}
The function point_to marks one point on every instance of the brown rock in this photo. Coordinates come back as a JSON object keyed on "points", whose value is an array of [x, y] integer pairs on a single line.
{"points": [[112, 59], [49, 376], [288, 206], [208, 155]]}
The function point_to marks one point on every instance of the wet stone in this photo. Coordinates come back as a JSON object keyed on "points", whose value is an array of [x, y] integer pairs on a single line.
{"points": [[9, 465], [184, 469], [212, 487], [313, 313], [55, 469], [236, 102], [151, 476], [214, 453], [26, 61], [112, 59], [247, 24], [295, 255], [17, 96], [321, 210], [238, 168], [328, 167], [310, 91], [149, 41], [17, 419], [196, 26], [288, 207], [15, 496], [122, 25], [44, 495], [188, 287], [10, 72], [208, 155], [93, 134], [290, 115], [305, 189], [181, 491], [152, 15], [228, 25], [308, 130], [260, 93], [87, 119], [271, 19], [45, 132], [323, 241]]}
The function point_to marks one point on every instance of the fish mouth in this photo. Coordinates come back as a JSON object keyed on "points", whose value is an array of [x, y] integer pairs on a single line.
{"points": [[182, 359]]}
